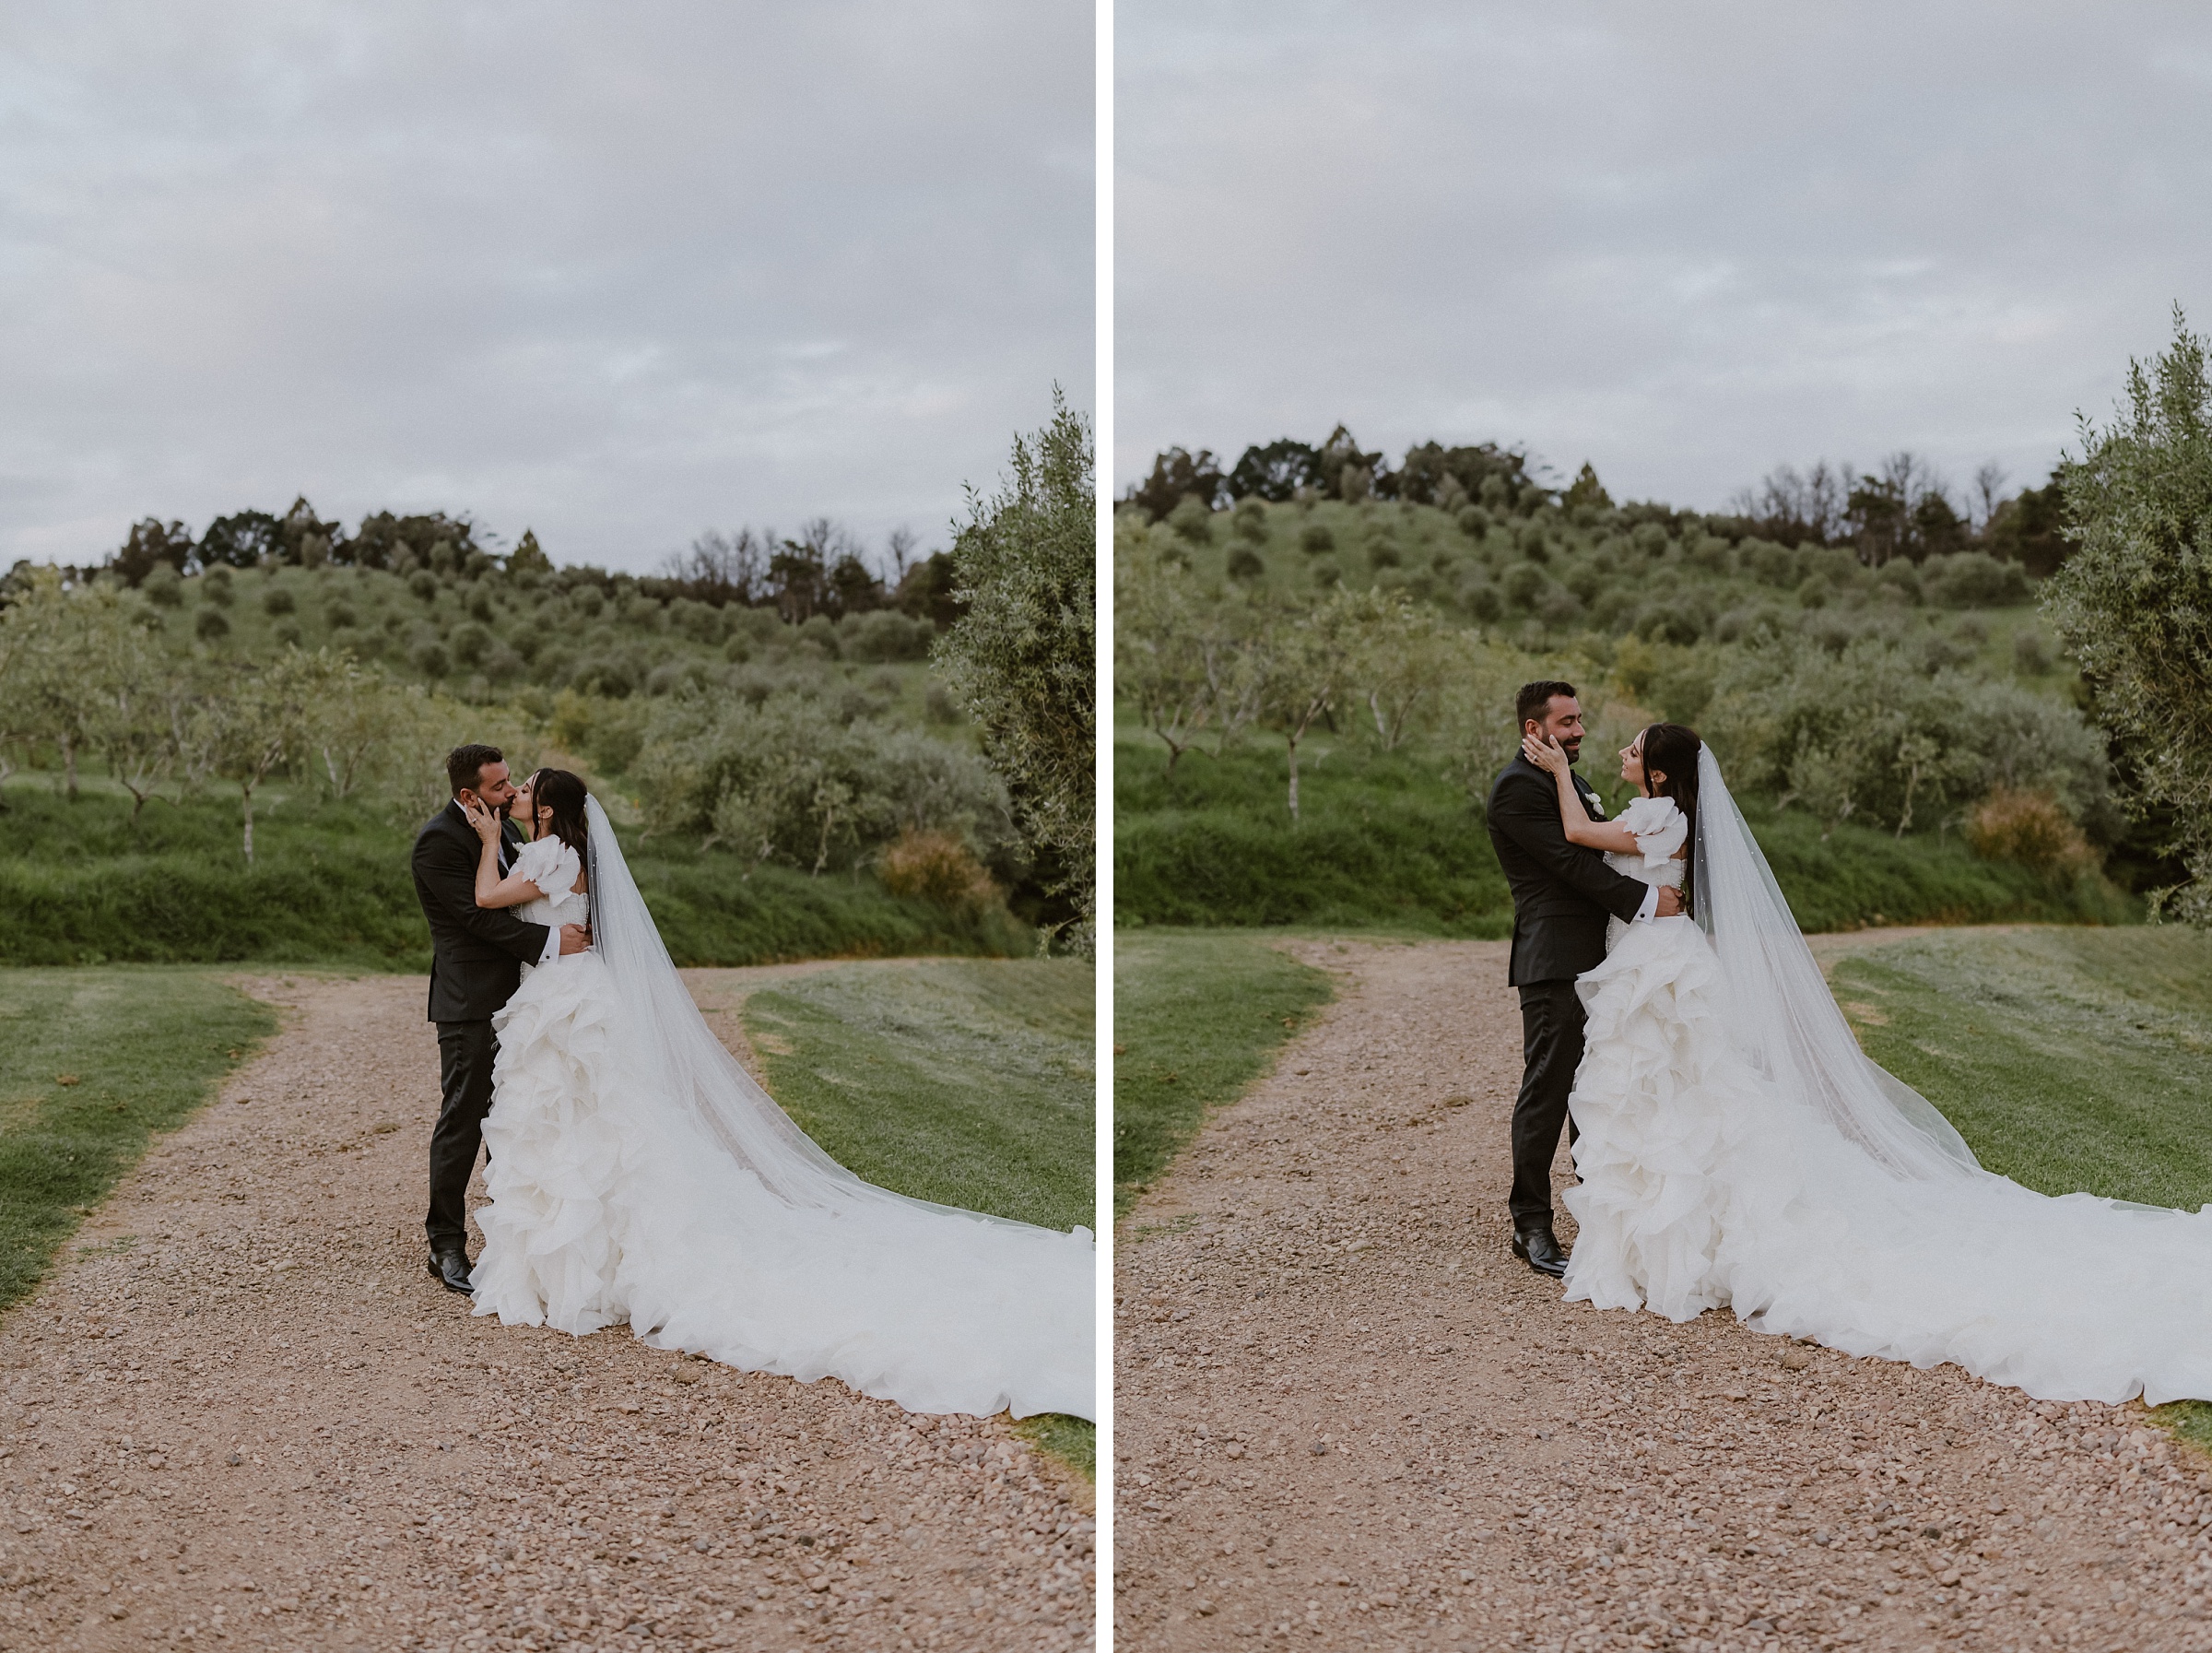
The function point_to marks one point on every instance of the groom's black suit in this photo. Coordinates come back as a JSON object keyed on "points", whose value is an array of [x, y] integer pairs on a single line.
{"points": [[476, 959], [1562, 894]]}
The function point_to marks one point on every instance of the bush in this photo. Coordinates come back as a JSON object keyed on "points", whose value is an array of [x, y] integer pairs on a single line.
{"points": [[209, 626], [937, 867], [1869, 735], [786, 781], [884, 634], [1192, 520], [278, 599], [216, 587], [1974, 580], [1244, 563], [1315, 538], [2030, 829]]}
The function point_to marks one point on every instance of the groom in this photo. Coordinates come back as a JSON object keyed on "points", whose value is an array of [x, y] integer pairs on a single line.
{"points": [[476, 955], [1562, 894]]}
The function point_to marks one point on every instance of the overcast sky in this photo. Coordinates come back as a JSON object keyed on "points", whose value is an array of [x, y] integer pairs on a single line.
{"points": [[619, 273], [1685, 241]]}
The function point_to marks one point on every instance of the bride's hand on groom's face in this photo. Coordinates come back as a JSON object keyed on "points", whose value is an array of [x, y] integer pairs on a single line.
{"points": [[1542, 753], [485, 820]]}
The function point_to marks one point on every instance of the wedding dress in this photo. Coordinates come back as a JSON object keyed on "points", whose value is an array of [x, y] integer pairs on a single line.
{"points": [[1736, 1150], [638, 1173]]}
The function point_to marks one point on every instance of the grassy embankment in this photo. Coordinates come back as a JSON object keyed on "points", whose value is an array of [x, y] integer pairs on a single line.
{"points": [[1390, 842], [93, 1063], [80, 883], [969, 1083], [1197, 1018]]}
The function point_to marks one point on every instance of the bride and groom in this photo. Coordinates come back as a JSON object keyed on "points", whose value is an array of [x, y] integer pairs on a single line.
{"points": [[1733, 1147], [639, 1175]]}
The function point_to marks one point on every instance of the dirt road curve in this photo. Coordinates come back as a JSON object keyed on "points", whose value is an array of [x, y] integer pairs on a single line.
{"points": [[1347, 1418], [241, 1413]]}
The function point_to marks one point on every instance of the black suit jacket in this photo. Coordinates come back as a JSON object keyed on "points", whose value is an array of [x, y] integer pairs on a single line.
{"points": [[1562, 890], [477, 953]]}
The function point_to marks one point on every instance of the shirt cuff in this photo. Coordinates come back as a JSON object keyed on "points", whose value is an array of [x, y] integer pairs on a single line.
{"points": [[1651, 905], [552, 945]]}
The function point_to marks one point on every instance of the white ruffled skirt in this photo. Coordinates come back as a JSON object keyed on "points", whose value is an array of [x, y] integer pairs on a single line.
{"points": [[609, 1204], [1704, 1187]]}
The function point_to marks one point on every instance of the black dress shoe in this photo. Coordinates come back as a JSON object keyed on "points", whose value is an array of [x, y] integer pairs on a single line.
{"points": [[1537, 1248], [451, 1270]]}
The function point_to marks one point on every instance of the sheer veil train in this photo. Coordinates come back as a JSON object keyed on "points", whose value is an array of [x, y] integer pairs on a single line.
{"points": [[751, 1245], [1778, 1011]]}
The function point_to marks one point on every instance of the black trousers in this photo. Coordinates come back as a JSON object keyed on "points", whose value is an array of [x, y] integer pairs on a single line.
{"points": [[466, 1050], [1552, 1049]]}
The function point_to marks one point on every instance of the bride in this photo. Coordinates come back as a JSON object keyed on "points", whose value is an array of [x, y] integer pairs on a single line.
{"points": [[1738, 1151], [638, 1173]]}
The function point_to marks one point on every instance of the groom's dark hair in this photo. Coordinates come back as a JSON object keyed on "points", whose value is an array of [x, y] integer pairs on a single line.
{"points": [[1534, 698], [464, 765]]}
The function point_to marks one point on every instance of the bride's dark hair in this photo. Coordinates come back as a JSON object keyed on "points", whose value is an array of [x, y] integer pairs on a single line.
{"points": [[1673, 751], [558, 790]]}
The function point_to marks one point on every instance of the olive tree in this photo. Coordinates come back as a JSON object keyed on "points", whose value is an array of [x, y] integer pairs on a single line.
{"points": [[1022, 660], [2133, 603]]}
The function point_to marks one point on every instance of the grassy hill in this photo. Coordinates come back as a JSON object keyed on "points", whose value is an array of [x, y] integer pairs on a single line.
{"points": [[80, 883], [1390, 840]]}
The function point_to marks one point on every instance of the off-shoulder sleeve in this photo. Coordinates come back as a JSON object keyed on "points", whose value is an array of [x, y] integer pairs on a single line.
{"points": [[1658, 826], [549, 864]]}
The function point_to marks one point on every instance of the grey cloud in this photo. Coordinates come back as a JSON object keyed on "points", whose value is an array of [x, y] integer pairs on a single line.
{"points": [[1683, 242], [619, 273]]}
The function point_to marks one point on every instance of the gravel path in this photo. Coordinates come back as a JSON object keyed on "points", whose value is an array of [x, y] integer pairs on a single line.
{"points": [[241, 1412], [1347, 1418]]}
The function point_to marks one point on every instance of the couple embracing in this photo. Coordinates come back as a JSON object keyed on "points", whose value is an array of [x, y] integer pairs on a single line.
{"points": [[1735, 1149], [637, 1175]]}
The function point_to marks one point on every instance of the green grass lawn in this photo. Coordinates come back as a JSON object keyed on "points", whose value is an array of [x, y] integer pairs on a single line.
{"points": [[1390, 842], [92, 1063], [1198, 1017], [967, 1082], [2068, 1059], [81, 883]]}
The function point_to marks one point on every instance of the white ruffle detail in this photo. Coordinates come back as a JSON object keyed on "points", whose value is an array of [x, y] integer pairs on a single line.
{"points": [[1659, 827], [554, 867], [555, 1231], [1705, 1186]]}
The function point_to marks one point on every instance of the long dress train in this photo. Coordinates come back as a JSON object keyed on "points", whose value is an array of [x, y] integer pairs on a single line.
{"points": [[637, 1175], [1722, 1166]]}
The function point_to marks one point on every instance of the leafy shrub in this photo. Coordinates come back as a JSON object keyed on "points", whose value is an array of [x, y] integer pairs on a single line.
{"points": [[1315, 538], [1867, 735], [935, 866], [786, 781], [2031, 652], [1192, 520], [2030, 828], [214, 586], [884, 634], [209, 626], [1974, 580], [1244, 563], [278, 599]]}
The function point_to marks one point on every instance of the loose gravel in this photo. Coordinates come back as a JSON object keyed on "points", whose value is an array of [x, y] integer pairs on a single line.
{"points": [[1346, 1417], [239, 1411]]}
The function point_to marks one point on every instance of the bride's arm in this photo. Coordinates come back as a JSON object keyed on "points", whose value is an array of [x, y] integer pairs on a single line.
{"points": [[1573, 817], [490, 891]]}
